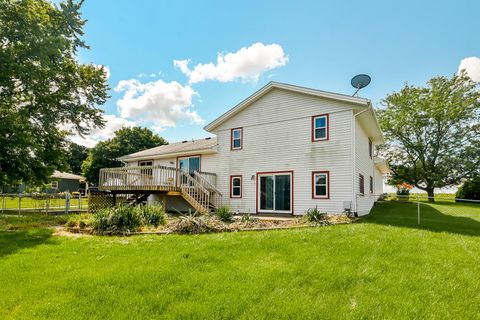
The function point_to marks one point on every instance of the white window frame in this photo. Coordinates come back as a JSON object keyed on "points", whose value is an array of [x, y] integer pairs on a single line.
{"points": [[232, 186], [232, 142], [273, 174], [54, 184], [314, 127], [327, 185]]}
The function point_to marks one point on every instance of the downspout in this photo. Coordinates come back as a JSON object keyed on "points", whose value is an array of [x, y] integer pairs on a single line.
{"points": [[354, 162]]}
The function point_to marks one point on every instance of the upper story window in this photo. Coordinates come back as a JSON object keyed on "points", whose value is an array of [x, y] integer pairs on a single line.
{"points": [[236, 139], [321, 185], [370, 148], [235, 186], [320, 127], [361, 184]]}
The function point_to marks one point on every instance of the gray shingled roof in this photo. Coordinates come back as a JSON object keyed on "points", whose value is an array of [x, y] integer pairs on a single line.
{"points": [[174, 148], [66, 175]]}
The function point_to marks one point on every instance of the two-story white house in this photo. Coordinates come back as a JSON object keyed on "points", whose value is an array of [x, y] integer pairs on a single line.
{"points": [[282, 150]]}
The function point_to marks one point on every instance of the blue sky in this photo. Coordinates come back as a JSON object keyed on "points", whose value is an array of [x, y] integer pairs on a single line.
{"points": [[318, 44]]}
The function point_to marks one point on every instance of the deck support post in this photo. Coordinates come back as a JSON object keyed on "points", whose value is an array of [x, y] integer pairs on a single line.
{"points": [[114, 199]]}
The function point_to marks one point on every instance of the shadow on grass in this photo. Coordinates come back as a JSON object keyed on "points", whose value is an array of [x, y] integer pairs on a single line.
{"points": [[13, 241], [438, 217]]}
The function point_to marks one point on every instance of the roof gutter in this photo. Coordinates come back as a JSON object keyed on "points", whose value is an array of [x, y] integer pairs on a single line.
{"points": [[169, 155]]}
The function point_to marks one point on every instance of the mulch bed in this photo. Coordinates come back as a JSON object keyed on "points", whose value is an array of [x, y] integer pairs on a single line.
{"points": [[254, 224]]}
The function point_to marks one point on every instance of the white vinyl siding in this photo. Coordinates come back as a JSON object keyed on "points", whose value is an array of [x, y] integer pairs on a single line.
{"points": [[277, 136], [364, 166], [377, 183]]}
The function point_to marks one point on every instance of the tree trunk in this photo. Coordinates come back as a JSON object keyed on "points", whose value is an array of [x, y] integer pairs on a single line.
{"points": [[430, 195]]}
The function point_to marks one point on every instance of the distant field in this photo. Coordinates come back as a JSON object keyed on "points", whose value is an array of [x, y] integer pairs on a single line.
{"points": [[424, 197]]}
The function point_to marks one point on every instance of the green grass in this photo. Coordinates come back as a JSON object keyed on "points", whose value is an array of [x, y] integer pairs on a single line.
{"points": [[385, 266], [9, 222], [7, 202]]}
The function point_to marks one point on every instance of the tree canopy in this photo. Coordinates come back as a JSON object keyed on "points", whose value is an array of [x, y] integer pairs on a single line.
{"points": [[433, 132], [43, 87], [76, 154], [127, 140]]}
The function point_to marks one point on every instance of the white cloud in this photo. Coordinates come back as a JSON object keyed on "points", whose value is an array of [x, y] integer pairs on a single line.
{"points": [[149, 75], [246, 64], [472, 66], [112, 124], [163, 104]]}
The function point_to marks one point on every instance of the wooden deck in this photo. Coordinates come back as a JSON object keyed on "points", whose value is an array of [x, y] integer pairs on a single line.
{"points": [[152, 178], [197, 188]]}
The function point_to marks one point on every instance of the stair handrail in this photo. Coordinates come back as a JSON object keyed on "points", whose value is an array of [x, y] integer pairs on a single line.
{"points": [[206, 182], [203, 195], [216, 196]]}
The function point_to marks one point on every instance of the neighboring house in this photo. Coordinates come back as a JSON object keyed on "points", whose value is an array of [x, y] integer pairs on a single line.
{"points": [[65, 181], [284, 149], [58, 182]]}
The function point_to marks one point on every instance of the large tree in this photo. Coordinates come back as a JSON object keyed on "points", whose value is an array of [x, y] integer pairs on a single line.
{"points": [[76, 154], [433, 132], [106, 153], [43, 87]]}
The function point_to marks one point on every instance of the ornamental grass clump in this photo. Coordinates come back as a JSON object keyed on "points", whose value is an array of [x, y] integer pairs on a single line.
{"points": [[118, 220], [152, 215], [314, 216], [195, 223], [224, 214]]}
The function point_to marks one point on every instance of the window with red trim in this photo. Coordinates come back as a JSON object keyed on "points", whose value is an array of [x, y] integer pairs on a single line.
{"points": [[235, 186], [361, 184], [320, 127], [320, 184], [236, 139]]}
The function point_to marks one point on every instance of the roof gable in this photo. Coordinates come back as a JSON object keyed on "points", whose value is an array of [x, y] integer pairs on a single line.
{"points": [[272, 85]]}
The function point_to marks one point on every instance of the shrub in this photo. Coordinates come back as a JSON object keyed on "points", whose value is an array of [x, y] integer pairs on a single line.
{"points": [[313, 215], [195, 223], [119, 220], [81, 221], [403, 189], [470, 190], [224, 214], [152, 215]]}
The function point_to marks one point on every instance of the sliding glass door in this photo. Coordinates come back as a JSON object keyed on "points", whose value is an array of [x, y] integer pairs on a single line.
{"points": [[275, 192], [189, 164]]}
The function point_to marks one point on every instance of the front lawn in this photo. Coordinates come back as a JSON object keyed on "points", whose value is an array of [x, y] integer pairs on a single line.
{"points": [[384, 266]]}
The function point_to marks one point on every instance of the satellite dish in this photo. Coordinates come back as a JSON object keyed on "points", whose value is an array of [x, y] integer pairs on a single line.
{"points": [[360, 81]]}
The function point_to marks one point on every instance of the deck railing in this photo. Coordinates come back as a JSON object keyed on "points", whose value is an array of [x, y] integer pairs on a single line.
{"points": [[214, 194], [139, 178], [210, 178]]}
